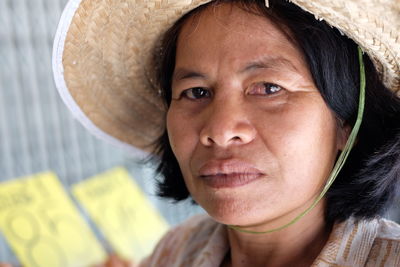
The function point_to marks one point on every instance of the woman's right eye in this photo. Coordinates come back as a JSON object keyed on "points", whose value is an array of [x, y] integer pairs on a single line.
{"points": [[196, 93]]}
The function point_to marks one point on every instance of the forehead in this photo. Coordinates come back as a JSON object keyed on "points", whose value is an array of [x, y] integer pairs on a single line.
{"points": [[243, 18], [229, 31]]}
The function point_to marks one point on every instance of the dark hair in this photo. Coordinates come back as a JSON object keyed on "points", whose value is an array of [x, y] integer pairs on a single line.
{"points": [[368, 181]]}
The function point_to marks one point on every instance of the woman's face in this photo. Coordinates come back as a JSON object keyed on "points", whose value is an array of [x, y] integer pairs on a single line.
{"points": [[254, 139]]}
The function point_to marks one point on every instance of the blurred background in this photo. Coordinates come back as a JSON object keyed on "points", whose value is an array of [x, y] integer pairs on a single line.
{"points": [[37, 133]]}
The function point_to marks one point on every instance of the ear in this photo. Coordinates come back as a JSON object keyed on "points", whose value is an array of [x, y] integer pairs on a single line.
{"points": [[342, 134]]}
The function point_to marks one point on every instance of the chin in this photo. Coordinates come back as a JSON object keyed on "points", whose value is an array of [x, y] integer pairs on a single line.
{"points": [[237, 220], [230, 211]]}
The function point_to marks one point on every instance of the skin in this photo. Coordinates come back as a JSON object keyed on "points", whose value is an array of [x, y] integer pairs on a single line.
{"points": [[255, 104]]}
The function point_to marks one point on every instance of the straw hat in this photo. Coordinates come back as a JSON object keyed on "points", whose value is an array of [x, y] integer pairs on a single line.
{"points": [[102, 58]]}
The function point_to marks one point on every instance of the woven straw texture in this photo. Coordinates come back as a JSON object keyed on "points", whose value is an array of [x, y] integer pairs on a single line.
{"points": [[107, 57], [373, 24]]}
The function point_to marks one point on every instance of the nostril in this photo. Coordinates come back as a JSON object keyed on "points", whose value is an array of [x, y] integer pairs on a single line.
{"points": [[230, 132], [209, 140]]}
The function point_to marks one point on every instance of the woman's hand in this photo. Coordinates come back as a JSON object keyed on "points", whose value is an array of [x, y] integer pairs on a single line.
{"points": [[112, 261]]}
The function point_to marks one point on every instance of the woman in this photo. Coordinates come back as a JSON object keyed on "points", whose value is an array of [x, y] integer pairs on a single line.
{"points": [[261, 100]]}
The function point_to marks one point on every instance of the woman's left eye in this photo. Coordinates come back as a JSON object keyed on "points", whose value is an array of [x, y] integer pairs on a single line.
{"points": [[264, 88]]}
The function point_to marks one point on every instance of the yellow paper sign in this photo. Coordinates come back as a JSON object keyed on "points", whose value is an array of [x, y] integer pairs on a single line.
{"points": [[127, 219], [43, 226]]}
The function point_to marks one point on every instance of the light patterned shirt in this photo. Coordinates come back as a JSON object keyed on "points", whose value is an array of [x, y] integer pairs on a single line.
{"points": [[202, 242]]}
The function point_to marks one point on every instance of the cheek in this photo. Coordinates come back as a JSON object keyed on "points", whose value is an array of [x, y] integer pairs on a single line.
{"points": [[311, 145], [173, 131], [303, 139], [181, 136]]}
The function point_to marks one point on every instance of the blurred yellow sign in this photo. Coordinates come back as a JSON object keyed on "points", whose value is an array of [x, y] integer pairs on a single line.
{"points": [[43, 226], [127, 219]]}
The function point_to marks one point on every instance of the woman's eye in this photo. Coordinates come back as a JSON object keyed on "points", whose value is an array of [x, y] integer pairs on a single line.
{"points": [[264, 88], [196, 93]]}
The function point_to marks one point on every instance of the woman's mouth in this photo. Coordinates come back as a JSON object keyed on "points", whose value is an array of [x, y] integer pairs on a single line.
{"points": [[228, 173], [230, 180]]}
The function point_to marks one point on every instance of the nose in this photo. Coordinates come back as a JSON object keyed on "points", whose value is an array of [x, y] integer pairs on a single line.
{"points": [[227, 124]]}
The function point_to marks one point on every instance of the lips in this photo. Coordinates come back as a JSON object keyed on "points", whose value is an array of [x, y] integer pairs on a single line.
{"points": [[228, 173]]}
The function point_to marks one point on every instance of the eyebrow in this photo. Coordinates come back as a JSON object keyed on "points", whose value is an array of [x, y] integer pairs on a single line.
{"points": [[262, 63], [183, 73], [269, 63]]}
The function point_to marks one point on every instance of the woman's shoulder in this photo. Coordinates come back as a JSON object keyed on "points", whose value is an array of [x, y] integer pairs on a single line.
{"points": [[374, 242], [199, 239], [388, 230], [194, 230], [385, 250]]}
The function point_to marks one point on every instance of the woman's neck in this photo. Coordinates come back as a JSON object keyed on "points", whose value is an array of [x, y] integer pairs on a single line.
{"points": [[297, 245]]}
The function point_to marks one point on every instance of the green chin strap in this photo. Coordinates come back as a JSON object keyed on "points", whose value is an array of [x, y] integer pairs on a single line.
{"points": [[339, 163]]}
